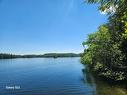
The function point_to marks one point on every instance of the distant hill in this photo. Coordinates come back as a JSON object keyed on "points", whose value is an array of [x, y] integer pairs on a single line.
{"points": [[55, 55], [8, 56], [47, 55]]}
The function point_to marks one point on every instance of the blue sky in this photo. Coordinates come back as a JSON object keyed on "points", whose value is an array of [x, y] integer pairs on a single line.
{"points": [[43, 26]]}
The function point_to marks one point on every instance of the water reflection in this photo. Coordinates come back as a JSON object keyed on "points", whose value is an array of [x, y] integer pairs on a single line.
{"points": [[48, 76], [102, 87]]}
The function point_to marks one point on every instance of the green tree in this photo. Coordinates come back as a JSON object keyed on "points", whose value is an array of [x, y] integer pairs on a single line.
{"points": [[106, 51], [108, 4]]}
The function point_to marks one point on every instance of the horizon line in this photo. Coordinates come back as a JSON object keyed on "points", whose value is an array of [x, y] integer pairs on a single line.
{"points": [[41, 53]]}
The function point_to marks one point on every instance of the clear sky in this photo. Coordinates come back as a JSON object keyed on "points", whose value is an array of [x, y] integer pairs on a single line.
{"points": [[43, 26]]}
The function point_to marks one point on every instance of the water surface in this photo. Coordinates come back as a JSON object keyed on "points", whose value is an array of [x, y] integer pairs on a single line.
{"points": [[49, 76]]}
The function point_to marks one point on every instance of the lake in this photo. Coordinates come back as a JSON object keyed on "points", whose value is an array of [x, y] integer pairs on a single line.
{"points": [[49, 76]]}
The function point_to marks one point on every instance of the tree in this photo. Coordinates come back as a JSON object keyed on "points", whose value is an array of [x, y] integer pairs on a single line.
{"points": [[106, 51], [108, 4]]}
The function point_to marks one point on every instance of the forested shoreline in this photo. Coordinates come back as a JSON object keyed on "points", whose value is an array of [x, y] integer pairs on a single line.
{"points": [[106, 49], [47, 55]]}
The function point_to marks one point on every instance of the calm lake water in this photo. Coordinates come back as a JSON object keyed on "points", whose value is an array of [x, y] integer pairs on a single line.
{"points": [[48, 76]]}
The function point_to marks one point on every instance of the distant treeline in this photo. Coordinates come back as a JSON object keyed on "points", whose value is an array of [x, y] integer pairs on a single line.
{"points": [[47, 55]]}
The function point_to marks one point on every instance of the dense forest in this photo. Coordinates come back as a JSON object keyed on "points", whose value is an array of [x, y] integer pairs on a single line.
{"points": [[47, 55], [106, 49]]}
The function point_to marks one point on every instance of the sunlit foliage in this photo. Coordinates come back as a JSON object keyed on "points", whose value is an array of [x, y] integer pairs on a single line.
{"points": [[106, 52]]}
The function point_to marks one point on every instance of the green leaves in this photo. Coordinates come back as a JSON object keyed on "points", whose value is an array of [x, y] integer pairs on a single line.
{"points": [[109, 5], [104, 53], [106, 50]]}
